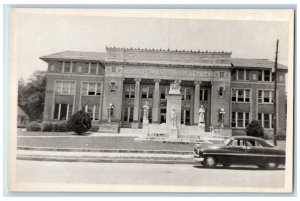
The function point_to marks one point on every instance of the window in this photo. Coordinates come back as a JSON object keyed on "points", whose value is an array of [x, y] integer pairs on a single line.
{"points": [[60, 66], [74, 67], [265, 96], [240, 95], [221, 91], [67, 67], [221, 74], [233, 120], [65, 87], [112, 87], [239, 119], [86, 68], [113, 69], [247, 72], [100, 70], [266, 120], [128, 114], [79, 68], [185, 94], [203, 94], [129, 91], [147, 92], [91, 89], [93, 111], [242, 74], [94, 68], [264, 75], [163, 92], [63, 111], [52, 67], [267, 76], [260, 75]]}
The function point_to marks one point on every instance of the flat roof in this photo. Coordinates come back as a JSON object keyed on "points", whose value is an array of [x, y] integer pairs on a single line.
{"points": [[76, 55], [255, 63]]}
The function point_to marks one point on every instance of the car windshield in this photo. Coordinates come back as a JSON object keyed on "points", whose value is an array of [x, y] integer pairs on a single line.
{"points": [[227, 141]]}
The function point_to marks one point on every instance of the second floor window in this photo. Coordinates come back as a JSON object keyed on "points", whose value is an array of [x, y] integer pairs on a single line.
{"points": [[203, 94], [242, 74], [65, 87], [147, 92], [91, 89], [265, 96], [240, 95], [264, 75], [129, 91]]}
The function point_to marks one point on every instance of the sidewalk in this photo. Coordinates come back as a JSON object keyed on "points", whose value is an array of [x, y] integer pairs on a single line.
{"points": [[105, 155]]}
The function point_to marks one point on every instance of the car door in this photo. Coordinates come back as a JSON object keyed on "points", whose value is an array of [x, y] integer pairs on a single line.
{"points": [[237, 152], [253, 152]]}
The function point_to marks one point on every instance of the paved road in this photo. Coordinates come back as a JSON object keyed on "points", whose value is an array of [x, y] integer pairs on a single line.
{"points": [[146, 174]]}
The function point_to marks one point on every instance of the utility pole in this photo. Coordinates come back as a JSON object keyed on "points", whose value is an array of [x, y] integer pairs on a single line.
{"points": [[275, 96]]}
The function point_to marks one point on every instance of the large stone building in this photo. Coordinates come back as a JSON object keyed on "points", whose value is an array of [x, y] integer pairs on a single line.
{"points": [[127, 78]]}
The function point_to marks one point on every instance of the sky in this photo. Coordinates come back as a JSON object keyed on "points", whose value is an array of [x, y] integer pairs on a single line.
{"points": [[39, 35]]}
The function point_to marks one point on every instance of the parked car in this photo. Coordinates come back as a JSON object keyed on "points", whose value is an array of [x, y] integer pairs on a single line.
{"points": [[240, 150]]}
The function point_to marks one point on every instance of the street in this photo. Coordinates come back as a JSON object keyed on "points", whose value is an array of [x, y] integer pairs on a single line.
{"points": [[147, 174]]}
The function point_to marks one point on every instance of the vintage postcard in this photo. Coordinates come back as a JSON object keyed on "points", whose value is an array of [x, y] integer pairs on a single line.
{"points": [[144, 100]]}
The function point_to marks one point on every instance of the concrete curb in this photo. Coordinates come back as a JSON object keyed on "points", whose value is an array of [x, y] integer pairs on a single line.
{"points": [[106, 160], [106, 150]]}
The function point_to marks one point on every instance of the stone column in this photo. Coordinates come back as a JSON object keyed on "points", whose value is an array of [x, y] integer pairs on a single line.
{"points": [[196, 101], [136, 107], [156, 101]]}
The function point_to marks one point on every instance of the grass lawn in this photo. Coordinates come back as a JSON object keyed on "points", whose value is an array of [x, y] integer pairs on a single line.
{"points": [[105, 142], [94, 142]]}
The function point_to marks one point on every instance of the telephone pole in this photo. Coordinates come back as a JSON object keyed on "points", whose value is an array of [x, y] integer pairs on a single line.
{"points": [[275, 96]]}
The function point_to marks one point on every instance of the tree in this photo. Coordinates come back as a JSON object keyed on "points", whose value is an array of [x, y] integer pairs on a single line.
{"points": [[255, 129], [31, 95], [80, 122]]}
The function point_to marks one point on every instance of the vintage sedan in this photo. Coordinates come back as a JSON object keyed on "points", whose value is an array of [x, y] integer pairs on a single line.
{"points": [[240, 150]]}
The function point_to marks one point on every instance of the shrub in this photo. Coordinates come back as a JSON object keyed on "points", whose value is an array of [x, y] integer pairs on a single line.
{"points": [[80, 122], [255, 129], [60, 126], [94, 128], [33, 126], [47, 127]]}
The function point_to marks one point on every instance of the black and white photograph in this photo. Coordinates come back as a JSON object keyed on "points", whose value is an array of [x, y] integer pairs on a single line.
{"points": [[150, 100]]}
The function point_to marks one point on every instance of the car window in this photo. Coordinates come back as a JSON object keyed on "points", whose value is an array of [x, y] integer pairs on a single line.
{"points": [[236, 142]]}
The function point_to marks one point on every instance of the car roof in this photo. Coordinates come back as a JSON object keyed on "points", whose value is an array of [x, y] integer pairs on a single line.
{"points": [[247, 137]]}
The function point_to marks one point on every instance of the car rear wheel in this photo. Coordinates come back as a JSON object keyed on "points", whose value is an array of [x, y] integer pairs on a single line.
{"points": [[210, 162], [268, 166], [271, 165]]}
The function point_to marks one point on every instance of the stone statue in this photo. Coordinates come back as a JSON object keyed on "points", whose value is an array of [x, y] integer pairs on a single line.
{"points": [[175, 87], [173, 118], [201, 114], [146, 111]]}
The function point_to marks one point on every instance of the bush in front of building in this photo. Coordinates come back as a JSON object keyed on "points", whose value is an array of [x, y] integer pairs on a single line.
{"points": [[47, 127], [61, 126], [255, 129], [80, 122], [33, 126]]}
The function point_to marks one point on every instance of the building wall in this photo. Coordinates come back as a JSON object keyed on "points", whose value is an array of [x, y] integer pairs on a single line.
{"points": [[76, 100]]}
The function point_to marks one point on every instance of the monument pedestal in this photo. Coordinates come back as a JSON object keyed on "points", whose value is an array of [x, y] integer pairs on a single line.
{"points": [[109, 127], [173, 109], [145, 128], [173, 133], [201, 126]]}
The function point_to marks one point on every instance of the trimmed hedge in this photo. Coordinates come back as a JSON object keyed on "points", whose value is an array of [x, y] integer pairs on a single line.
{"points": [[33, 126], [47, 127]]}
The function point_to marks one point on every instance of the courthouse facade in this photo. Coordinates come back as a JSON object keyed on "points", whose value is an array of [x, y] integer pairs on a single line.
{"points": [[127, 78]]}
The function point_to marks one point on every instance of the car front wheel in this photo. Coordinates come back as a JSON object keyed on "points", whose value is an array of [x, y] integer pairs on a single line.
{"points": [[210, 162]]}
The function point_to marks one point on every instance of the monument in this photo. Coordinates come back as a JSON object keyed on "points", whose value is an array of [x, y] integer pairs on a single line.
{"points": [[201, 122], [173, 109], [146, 108]]}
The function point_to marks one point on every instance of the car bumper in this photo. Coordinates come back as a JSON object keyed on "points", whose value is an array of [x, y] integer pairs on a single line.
{"points": [[198, 159]]}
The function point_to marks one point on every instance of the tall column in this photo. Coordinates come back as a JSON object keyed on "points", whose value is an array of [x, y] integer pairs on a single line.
{"points": [[136, 103], [196, 101], [156, 101]]}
